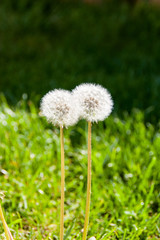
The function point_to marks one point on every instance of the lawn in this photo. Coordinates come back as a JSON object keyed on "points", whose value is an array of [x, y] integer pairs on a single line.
{"points": [[59, 44], [125, 176]]}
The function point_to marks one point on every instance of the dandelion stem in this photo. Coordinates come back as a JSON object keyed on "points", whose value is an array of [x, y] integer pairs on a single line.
{"points": [[88, 184], [6, 229], [62, 184]]}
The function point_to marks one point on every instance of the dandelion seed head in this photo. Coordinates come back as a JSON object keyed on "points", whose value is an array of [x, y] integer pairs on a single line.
{"points": [[59, 108], [92, 238], [95, 102]]}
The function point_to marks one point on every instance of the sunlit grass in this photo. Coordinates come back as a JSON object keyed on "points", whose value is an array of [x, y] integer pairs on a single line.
{"points": [[125, 176]]}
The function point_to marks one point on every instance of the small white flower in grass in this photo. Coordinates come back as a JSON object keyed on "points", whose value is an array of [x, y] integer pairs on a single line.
{"points": [[59, 108], [95, 102]]}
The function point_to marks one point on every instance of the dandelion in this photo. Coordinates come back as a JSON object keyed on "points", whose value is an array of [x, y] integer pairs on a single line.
{"points": [[95, 104], [6, 228], [59, 109]]}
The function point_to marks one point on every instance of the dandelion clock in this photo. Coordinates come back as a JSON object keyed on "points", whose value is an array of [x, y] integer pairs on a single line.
{"points": [[59, 109], [95, 104]]}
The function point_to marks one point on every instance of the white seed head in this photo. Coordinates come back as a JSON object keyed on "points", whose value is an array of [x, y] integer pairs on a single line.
{"points": [[95, 102], [59, 108]]}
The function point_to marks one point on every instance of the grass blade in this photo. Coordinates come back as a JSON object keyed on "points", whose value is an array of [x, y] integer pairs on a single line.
{"points": [[69, 230]]}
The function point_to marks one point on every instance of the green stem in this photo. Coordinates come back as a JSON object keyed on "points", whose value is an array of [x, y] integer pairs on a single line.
{"points": [[88, 184], [62, 184], [6, 229]]}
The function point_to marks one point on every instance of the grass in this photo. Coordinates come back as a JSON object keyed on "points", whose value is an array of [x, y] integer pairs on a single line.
{"points": [[125, 176]]}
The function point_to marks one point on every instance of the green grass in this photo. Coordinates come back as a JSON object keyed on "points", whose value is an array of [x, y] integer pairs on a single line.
{"points": [[125, 176]]}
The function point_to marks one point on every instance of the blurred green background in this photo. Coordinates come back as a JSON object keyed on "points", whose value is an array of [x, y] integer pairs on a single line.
{"points": [[49, 44], [58, 44]]}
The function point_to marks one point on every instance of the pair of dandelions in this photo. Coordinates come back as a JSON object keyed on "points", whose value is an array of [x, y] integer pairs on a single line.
{"points": [[63, 108]]}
